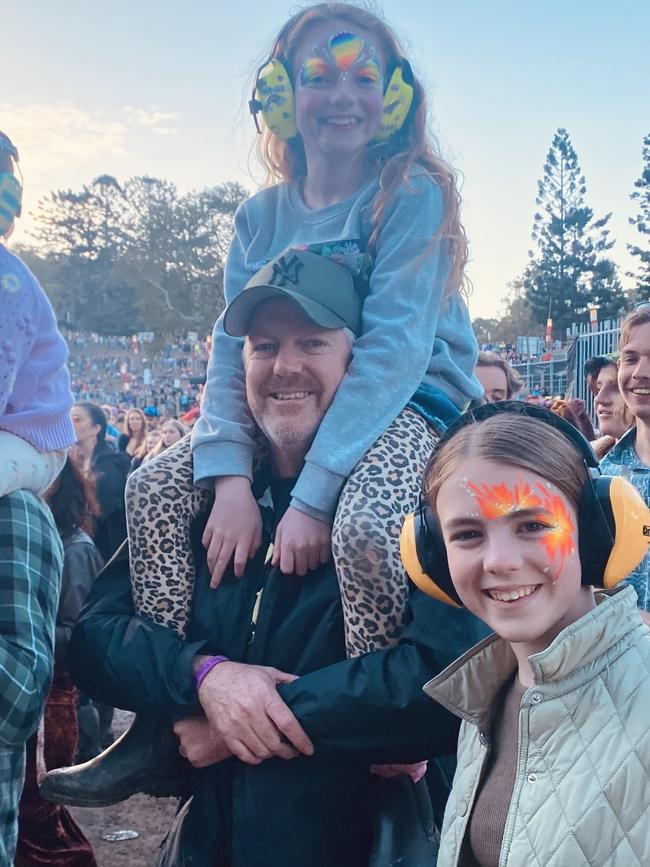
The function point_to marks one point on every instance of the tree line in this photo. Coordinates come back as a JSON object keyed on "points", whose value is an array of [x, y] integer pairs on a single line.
{"points": [[118, 258]]}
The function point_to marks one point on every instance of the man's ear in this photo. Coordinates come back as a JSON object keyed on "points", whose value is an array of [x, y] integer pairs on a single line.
{"points": [[245, 351], [350, 339]]}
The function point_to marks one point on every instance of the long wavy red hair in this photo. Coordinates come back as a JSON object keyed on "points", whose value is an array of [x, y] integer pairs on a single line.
{"points": [[413, 146]]}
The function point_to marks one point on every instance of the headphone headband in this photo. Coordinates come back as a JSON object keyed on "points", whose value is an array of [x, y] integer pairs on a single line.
{"points": [[518, 407], [273, 94]]}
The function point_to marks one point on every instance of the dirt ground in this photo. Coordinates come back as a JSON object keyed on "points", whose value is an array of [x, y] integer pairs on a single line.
{"points": [[150, 817]]}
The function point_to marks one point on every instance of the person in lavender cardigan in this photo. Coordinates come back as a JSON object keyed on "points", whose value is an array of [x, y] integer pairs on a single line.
{"points": [[35, 397], [35, 430]]}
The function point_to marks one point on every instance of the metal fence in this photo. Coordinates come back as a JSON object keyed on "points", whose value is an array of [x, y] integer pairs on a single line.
{"points": [[583, 345], [563, 373], [551, 376]]}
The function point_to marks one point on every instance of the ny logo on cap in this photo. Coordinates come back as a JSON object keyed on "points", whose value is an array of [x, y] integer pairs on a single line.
{"points": [[286, 271]]}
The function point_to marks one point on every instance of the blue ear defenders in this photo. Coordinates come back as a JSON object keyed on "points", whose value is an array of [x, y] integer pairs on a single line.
{"points": [[613, 520], [11, 191]]}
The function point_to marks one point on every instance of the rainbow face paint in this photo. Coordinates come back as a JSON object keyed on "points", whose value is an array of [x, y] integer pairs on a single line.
{"points": [[498, 501], [343, 57], [313, 70], [345, 49]]}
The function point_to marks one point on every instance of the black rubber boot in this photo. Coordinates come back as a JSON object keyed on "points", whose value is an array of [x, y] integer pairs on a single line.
{"points": [[145, 759], [88, 745]]}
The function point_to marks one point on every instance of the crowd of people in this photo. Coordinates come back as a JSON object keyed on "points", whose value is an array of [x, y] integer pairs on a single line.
{"points": [[372, 609], [510, 354], [168, 381]]}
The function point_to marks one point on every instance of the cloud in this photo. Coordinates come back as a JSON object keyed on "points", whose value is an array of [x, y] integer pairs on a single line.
{"points": [[62, 145], [54, 136], [152, 119], [51, 136]]}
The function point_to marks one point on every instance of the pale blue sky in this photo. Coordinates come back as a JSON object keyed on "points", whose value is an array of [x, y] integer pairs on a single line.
{"points": [[142, 87]]}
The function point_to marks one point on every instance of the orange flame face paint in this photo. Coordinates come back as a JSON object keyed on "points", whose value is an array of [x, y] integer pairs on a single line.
{"points": [[559, 540], [496, 501]]}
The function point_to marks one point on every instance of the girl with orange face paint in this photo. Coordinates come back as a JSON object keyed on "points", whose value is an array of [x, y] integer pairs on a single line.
{"points": [[554, 706]]}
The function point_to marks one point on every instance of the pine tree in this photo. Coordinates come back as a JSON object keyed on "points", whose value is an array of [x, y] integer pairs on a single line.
{"points": [[569, 272], [641, 195]]}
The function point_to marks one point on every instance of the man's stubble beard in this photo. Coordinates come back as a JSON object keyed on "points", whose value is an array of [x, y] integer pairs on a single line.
{"points": [[285, 439]]}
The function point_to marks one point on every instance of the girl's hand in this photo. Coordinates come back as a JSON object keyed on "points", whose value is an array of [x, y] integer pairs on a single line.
{"points": [[199, 744], [234, 527], [301, 543], [387, 772]]}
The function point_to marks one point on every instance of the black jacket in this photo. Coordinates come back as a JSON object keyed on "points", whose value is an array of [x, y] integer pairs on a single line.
{"points": [[81, 563], [110, 469], [308, 812]]}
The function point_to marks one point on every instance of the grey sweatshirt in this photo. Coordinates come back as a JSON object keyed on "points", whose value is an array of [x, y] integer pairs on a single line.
{"points": [[411, 334]]}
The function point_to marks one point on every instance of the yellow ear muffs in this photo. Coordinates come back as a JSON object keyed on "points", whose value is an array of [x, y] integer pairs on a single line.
{"points": [[613, 534], [424, 557], [11, 194], [398, 98], [632, 531], [273, 97]]}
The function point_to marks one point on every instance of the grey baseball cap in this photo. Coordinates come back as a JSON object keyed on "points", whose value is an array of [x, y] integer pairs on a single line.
{"points": [[323, 289]]}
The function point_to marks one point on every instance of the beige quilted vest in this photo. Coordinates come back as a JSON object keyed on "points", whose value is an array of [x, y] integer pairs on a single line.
{"points": [[582, 791]]}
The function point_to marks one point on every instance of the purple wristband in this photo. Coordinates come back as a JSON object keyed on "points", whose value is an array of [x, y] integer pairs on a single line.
{"points": [[206, 667]]}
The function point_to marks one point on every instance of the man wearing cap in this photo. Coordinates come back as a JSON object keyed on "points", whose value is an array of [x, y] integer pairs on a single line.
{"points": [[325, 291], [280, 726]]}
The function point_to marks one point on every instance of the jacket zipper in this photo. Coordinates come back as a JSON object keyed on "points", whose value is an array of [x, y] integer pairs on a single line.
{"points": [[257, 604], [254, 615]]}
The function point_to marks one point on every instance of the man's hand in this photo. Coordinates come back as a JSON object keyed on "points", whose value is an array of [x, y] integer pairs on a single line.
{"points": [[242, 705], [645, 616], [301, 543], [198, 742], [234, 527]]}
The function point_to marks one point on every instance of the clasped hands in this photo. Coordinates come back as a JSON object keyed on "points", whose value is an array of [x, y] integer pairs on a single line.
{"points": [[244, 717]]}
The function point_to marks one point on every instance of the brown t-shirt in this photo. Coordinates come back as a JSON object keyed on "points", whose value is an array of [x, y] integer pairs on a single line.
{"points": [[484, 834]]}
